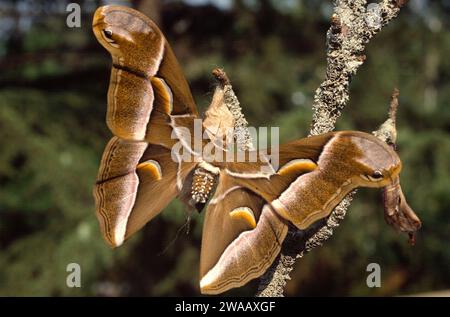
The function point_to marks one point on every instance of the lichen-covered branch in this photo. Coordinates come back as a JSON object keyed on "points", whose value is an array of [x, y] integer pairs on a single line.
{"points": [[353, 25]]}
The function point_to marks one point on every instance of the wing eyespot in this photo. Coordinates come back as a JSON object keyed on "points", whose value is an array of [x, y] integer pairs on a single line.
{"points": [[376, 176], [108, 36]]}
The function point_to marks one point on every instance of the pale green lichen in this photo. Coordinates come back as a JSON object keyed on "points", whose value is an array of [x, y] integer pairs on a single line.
{"points": [[352, 28], [240, 132]]}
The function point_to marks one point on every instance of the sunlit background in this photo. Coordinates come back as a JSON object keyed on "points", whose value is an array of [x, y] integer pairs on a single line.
{"points": [[53, 83]]}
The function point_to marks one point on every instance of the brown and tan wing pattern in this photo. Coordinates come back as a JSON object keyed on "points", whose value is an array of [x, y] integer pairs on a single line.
{"points": [[241, 237], [144, 70], [248, 256], [150, 110], [135, 182], [295, 159], [220, 227], [233, 253], [316, 173]]}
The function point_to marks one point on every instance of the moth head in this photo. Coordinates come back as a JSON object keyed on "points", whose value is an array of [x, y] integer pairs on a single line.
{"points": [[376, 163], [130, 37]]}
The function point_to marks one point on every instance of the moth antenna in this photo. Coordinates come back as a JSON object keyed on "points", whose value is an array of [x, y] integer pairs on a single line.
{"points": [[185, 225]]}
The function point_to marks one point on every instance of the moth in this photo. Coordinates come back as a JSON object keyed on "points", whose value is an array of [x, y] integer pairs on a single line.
{"points": [[249, 204]]}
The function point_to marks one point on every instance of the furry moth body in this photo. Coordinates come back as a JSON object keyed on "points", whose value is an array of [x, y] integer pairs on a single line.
{"points": [[248, 212]]}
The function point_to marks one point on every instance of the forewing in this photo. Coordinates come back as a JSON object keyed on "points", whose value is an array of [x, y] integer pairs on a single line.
{"points": [[134, 95]]}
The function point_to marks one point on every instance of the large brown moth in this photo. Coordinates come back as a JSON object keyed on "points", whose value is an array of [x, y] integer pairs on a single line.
{"points": [[150, 108]]}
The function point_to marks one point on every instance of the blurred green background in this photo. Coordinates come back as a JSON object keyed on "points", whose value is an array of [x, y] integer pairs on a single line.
{"points": [[53, 87]]}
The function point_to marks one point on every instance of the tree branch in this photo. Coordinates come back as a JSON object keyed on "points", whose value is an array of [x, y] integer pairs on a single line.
{"points": [[353, 25]]}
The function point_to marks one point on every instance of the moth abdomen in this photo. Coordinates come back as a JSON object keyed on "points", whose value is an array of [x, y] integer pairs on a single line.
{"points": [[203, 183]]}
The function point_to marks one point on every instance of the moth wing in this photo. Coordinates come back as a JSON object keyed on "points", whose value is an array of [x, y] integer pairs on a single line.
{"points": [[174, 111], [294, 166], [231, 256], [248, 256], [234, 226], [134, 97], [135, 182], [170, 71]]}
